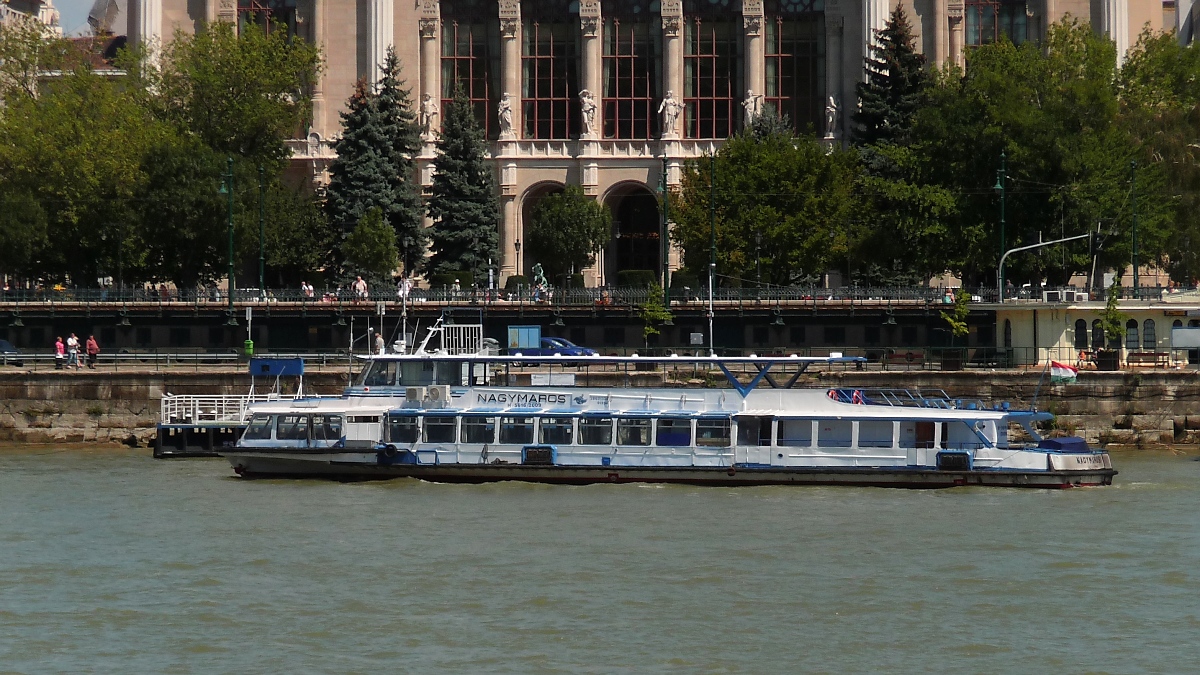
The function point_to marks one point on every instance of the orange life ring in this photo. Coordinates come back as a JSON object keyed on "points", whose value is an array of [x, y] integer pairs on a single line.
{"points": [[857, 397]]}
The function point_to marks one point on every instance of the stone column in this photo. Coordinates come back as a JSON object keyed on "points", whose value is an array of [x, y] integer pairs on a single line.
{"points": [[954, 17], [592, 66], [938, 54], [381, 27], [672, 24], [510, 61], [835, 29], [145, 23], [875, 16], [755, 54], [431, 61], [1114, 16], [318, 89]]}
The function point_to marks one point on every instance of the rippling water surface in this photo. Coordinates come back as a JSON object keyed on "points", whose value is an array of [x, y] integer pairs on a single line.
{"points": [[111, 561]]}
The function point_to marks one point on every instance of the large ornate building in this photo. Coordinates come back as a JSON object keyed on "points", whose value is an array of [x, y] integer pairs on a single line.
{"points": [[615, 95]]}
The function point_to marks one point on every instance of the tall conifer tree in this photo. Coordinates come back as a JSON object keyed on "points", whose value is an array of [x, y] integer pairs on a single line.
{"points": [[463, 207], [400, 126], [894, 86]]}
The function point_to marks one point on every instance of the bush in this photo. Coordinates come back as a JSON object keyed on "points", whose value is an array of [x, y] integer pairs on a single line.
{"points": [[636, 278], [573, 281], [681, 279], [446, 279], [516, 280]]}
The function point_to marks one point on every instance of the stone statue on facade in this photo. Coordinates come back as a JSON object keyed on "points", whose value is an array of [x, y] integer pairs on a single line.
{"points": [[831, 118], [587, 113], [753, 106], [504, 115], [429, 111], [669, 109]]}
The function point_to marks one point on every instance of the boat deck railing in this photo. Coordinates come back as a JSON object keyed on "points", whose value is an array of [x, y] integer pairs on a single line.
{"points": [[911, 398], [208, 408]]}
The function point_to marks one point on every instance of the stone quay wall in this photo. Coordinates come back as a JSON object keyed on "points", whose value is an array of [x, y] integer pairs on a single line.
{"points": [[1145, 409]]}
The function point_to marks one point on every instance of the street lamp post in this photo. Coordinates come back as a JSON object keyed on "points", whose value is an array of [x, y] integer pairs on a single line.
{"points": [[517, 248], [712, 247], [666, 217], [1001, 187], [1133, 202], [227, 190], [262, 234]]}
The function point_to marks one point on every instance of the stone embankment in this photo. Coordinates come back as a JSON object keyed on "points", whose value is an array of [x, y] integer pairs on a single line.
{"points": [[114, 407], [1151, 408]]}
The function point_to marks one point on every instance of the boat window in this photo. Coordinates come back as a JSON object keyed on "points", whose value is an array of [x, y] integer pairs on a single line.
{"points": [[416, 374], [754, 430], [712, 433], [633, 431], [875, 434], [381, 374], [478, 429], [516, 430], [402, 429], [326, 427], [796, 433], [260, 428], [439, 429], [557, 430], [673, 432], [834, 433], [292, 428], [595, 431]]}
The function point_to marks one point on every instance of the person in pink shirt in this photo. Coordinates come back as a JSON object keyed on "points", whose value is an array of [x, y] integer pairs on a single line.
{"points": [[60, 353]]}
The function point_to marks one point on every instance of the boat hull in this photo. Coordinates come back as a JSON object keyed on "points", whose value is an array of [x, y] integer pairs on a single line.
{"points": [[342, 467]]}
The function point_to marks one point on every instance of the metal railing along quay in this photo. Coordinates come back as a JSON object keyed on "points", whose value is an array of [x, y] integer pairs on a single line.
{"points": [[790, 296]]}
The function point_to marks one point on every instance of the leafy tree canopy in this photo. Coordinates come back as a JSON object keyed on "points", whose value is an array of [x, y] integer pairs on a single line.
{"points": [[370, 249], [895, 83], [565, 231]]}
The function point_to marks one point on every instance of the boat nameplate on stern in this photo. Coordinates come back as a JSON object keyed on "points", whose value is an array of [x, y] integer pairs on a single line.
{"points": [[1072, 462]]}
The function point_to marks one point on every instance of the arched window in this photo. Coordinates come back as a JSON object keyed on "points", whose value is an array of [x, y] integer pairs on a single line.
{"points": [[550, 68], [632, 67], [1131, 335], [1081, 334], [795, 61], [1007, 334], [1097, 335], [471, 57], [712, 68], [987, 20], [1149, 339]]}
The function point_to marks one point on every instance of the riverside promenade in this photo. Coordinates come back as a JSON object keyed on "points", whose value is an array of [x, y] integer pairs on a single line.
{"points": [[120, 404]]}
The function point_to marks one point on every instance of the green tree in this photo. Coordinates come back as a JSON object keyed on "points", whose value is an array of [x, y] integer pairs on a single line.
{"points": [[894, 87], [360, 179], [242, 93], [1160, 107], [370, 249], [464, 209], [778, 189], [653, 312], [566, 230], [300, 242], [27, 50], [406, 215]]}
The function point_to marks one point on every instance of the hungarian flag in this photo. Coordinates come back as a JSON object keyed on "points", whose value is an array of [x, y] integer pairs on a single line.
{"points": [[1061, 372]]}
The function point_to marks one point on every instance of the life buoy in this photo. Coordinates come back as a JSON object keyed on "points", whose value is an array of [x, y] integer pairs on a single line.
{"points": [[390, 452], [857, 397], [909, 357], [833, 394]]}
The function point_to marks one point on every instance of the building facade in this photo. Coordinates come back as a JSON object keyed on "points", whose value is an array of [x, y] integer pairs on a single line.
{"points": [[616, 95]]}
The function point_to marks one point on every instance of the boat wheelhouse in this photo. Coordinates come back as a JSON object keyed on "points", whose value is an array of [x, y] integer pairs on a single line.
{"points": [[473, 418]]}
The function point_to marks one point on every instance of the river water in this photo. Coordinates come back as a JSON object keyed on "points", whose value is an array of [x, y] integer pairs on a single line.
{"points": [[114, 562]]}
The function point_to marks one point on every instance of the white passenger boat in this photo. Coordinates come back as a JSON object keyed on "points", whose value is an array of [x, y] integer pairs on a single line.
{"points": [[471, 418]]}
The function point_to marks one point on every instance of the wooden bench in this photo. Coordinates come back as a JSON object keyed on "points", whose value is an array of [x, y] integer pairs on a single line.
{"points": [[1152, 359]]}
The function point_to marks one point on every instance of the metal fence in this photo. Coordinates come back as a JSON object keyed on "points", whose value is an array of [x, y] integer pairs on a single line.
{"points": [[576, 297]]}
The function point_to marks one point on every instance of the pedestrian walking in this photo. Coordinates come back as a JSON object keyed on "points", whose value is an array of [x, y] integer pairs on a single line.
{"points": [[60, 353], [93, 351], [73, 352], [360, 288], [379, 344]]}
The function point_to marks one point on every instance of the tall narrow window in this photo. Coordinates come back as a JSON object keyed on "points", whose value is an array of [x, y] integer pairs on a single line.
{"points": [[1081, 334], [1131, 335], [795, 61], [632, 67], [550, 69], [987, 20], [711, 68], [1149, 338], [471, 57]]}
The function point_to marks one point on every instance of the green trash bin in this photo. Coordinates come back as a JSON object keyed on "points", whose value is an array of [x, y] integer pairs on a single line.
{"points": [[248, 347]]}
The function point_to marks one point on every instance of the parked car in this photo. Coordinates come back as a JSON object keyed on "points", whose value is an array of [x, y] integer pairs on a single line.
{"points": [[551, 346], [10, 354]]}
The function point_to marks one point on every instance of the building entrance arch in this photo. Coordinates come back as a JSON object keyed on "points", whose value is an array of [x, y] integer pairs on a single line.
{"points": [[636, 243], [525, 260]]}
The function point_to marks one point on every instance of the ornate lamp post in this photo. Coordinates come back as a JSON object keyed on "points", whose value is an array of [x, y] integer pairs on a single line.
{"points": [[227, 190], [1001, 187]]}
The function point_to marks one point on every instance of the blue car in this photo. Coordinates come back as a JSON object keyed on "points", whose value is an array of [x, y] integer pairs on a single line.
{"points": [[552, 346]]}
